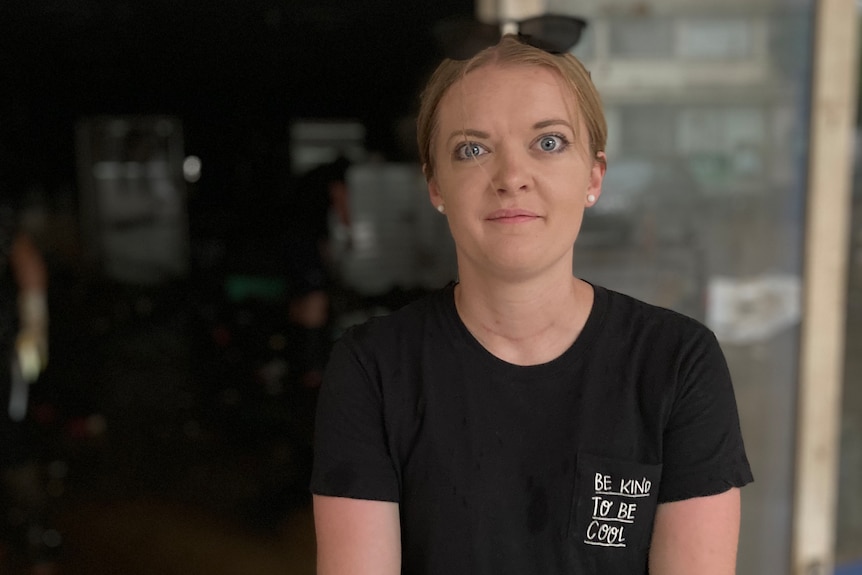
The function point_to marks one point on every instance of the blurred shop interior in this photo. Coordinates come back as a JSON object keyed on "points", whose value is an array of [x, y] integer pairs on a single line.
{"points": [[158, 153]]}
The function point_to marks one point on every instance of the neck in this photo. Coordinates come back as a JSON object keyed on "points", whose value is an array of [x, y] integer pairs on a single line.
{"points": [[525, 322]]}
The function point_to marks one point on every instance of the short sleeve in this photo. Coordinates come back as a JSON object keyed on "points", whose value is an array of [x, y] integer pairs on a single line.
{"points": [[703, 451], [351, 456]]}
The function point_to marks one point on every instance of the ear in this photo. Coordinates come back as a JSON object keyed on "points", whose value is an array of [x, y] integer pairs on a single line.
{"points": [[597, 174], [433, 189]]}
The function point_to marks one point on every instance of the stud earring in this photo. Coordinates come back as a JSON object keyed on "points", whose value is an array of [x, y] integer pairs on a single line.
{"points": [[591, 198], [441, 208]]}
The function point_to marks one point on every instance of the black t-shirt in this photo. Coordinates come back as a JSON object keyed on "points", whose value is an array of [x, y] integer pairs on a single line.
{"points": [[552, 468]]}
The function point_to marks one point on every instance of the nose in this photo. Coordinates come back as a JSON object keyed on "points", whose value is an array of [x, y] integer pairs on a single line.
{"points": [[511, 170]]}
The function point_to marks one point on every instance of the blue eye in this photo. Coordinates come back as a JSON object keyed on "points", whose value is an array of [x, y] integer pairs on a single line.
{"points": [[552, 143], [469, 150]]}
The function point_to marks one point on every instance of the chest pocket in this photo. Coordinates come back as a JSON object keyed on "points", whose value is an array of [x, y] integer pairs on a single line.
{"points": [[612, 514]]}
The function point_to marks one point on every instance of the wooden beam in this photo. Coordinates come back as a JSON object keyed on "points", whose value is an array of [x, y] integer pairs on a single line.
{"points": [[833, 111]]}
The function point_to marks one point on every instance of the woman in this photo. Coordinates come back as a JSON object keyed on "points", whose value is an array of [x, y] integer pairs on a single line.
{"points": [[523, 420]]}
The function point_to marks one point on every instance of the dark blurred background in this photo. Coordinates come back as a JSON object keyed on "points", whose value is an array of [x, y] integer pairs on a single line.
{"points": [[236, 73], [218, 189], [171, 429]]}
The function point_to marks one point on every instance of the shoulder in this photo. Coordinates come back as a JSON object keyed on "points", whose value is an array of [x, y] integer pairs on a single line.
{"points": [[405, 326], [376, 362], [635, 318], [670, 351]]}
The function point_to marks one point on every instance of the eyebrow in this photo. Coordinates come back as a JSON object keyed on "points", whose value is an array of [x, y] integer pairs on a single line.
{"points": [[469, 132], [554, 122]]}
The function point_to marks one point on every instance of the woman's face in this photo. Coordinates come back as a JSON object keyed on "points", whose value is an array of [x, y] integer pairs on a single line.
{"points": [[510, 172]]}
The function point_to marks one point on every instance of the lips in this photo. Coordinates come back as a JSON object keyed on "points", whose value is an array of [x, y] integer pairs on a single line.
{"points": [[512, 216]]}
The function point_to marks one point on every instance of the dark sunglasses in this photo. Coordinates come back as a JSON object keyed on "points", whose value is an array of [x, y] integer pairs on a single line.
{"points": [[463, 38]]}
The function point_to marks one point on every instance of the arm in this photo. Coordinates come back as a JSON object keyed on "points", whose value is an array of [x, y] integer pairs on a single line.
{"points": [[696, 527], [28, 267], [31, 277], [357, 536], [698, 535]]}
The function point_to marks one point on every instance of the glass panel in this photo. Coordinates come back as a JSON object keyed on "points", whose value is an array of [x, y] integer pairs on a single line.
{"points": [[642, 38], [849, 527], [714, 39], [724, 145], [647, 129], [702, 211], [586, 47]]}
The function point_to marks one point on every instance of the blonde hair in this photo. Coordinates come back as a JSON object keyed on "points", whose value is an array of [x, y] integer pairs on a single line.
{"points": [[510, 51]]}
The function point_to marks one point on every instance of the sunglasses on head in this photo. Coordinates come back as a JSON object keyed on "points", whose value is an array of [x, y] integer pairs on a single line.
{"points": [[463, 38]]}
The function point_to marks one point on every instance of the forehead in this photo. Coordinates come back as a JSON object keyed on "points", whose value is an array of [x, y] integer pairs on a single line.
{"points": [[507, 92]]}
